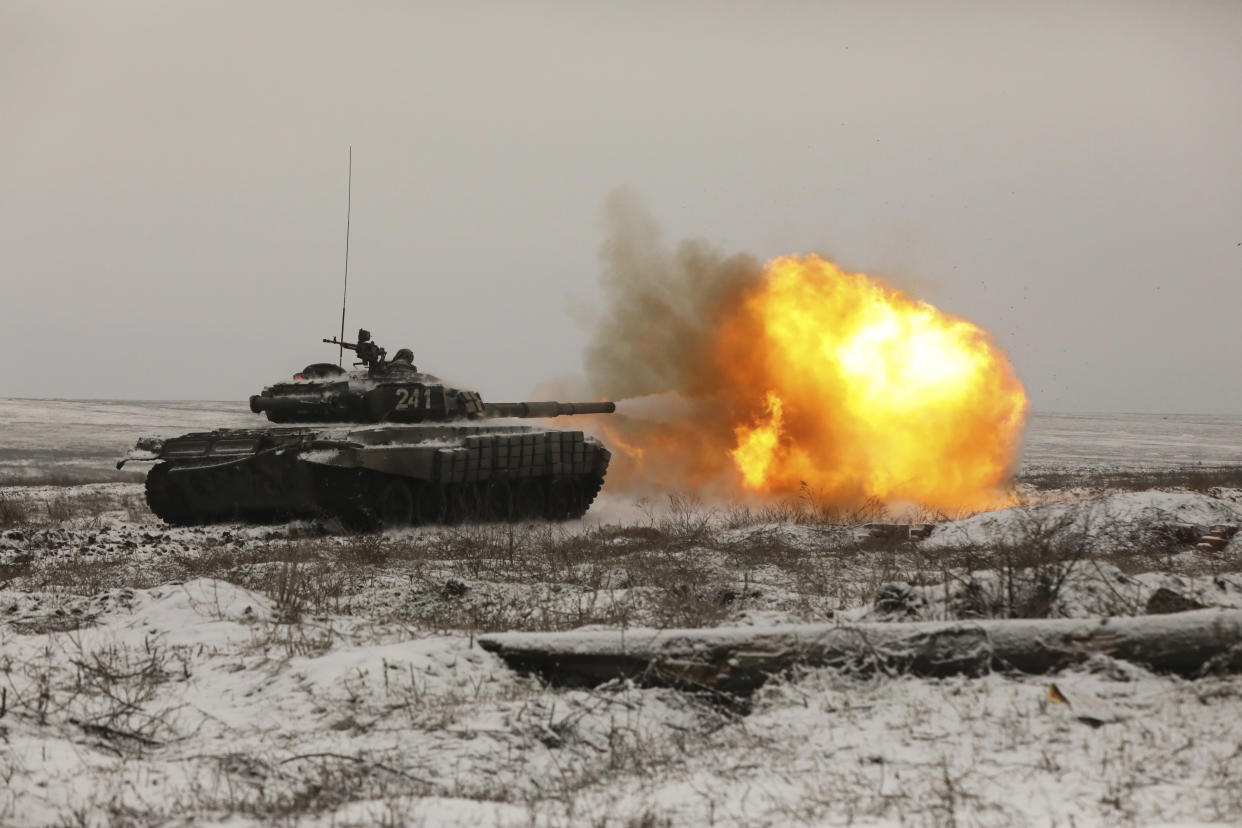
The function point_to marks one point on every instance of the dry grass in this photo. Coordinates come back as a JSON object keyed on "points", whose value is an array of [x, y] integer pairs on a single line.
{"points": [[809, 508], [686, 566], [678, 570], [13, 512], [18, 508], [109, 693]]}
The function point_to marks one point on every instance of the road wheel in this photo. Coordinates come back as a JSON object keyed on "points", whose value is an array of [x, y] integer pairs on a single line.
{"points": [[429, 502], [528, 499], [396, 504], [497, 501], [455, 503], [350, 495], [472, 501], [562, 500]]}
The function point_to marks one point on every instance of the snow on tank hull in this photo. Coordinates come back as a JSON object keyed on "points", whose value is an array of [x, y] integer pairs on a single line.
{"points": [[375, 476]]}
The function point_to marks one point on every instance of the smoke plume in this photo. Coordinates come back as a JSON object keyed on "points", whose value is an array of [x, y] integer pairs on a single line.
{"points": [[653, 349], [736, 379], [663, 307]]}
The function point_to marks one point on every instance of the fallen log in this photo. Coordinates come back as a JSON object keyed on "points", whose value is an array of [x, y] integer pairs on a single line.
{"points": [[738, 660]]}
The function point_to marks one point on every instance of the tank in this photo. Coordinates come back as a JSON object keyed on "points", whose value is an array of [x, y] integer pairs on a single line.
{"points": [[382, 445]]}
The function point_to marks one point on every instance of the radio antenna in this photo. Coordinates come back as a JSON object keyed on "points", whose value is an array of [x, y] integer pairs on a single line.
{"points": [[349, 194]]}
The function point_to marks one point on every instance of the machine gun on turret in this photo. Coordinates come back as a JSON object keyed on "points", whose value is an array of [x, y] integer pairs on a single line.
{"points": [[369, 354]]}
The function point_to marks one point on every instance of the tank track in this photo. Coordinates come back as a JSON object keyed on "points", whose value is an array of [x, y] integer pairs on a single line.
{"points": [[255, 491]]}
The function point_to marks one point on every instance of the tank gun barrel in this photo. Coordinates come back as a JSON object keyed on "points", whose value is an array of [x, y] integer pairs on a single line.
{"points": [[547, 408]]}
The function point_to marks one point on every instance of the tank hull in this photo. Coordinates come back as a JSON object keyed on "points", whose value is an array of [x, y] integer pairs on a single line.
{"points": [[375, 476]]}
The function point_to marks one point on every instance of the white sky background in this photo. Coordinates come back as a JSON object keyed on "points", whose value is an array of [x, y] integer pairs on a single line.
{"points": [[172, 180]]}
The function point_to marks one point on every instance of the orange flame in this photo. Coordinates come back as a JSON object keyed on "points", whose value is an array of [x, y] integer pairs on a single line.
{"points": [[810, 376], [757, 446], [868, 393]]}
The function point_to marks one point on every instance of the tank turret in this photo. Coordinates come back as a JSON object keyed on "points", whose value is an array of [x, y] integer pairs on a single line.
{"points": [[393, 392], [378, 446]]}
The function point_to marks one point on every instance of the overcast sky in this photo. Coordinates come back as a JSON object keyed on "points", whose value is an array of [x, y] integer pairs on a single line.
{"points": [[173, 180]]}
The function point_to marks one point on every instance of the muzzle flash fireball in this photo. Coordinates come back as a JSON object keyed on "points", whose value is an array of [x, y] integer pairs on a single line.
{"points": [[810, 376], [864, 392]]}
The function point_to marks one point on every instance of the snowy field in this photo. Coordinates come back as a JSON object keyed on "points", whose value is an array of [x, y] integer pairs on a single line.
{"points": [[61, 440], [293, 674]]}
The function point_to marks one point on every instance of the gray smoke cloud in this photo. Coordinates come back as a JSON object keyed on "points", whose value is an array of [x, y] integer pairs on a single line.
{"points": [[662, 307], [654, 348]]}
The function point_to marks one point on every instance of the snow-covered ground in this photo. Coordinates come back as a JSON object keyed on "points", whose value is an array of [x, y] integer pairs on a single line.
{"points": [[83, 439], [194, 701], [292, 674], [1056, 441]]}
